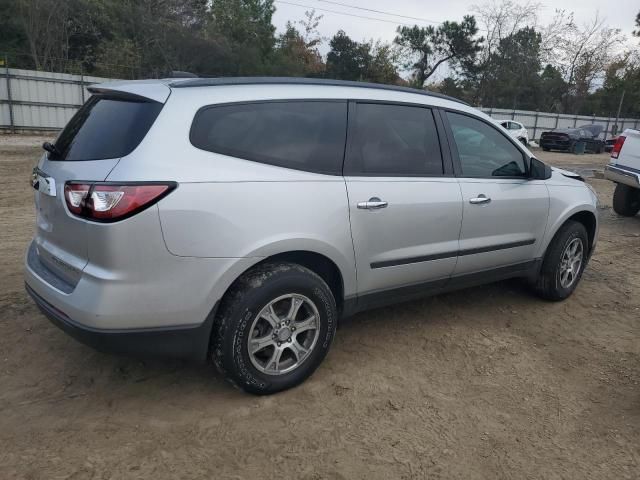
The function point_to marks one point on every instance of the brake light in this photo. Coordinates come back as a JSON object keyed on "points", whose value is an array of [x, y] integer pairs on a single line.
{"points": [[110, 202], [615, 152]]}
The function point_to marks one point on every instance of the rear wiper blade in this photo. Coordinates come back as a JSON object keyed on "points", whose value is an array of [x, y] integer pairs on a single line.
{"points": [[51, 148]]}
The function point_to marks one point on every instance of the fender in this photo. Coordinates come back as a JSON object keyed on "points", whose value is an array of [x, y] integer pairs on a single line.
{"points": [[563, 206]]}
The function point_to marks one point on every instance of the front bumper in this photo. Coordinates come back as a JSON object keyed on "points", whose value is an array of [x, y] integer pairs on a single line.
{"points": [[621, 174], [190, 343]]}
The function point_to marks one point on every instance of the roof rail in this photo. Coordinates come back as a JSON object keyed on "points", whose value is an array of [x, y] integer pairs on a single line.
{"points": [[219, 81], [181, 74]]}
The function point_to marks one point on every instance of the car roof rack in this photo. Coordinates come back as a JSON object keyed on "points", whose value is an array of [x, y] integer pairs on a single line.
{"points": [[219, 81]]}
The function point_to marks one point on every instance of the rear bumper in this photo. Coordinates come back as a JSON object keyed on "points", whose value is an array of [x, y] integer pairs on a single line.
{"points": [[556, 144], [188, 342], [621, 174]]}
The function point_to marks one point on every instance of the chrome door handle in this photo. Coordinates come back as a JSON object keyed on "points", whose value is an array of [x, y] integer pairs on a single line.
{"points": [[480, 199], [374, 203]]}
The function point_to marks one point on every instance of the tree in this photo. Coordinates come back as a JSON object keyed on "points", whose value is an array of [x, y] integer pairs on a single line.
{"points": [[552, 88], [637, 32], [426, 48], [297, 52], [247, 28], [362, 61], [513, 71], [347, 59]]}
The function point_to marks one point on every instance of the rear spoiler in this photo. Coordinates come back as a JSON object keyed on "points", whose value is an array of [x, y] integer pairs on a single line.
{"points": [[153, 90]]}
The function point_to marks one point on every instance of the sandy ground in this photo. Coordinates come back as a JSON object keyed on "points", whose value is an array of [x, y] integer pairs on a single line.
{"points": [[489, 382]]}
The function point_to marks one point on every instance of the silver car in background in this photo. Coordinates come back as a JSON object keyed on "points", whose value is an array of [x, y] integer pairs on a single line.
{"points": [[237, 220]]}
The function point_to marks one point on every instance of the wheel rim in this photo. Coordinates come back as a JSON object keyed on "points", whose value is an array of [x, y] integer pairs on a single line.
{"points": [[571, 262], [283, 334]]}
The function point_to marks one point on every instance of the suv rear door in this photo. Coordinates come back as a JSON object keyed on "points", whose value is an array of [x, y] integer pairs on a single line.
{"points": [[105, 129], [404, 202], [505, 212]]}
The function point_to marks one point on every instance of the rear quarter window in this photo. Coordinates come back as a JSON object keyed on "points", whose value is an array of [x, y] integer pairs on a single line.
{"points": [[303, 135], [105, 128]]}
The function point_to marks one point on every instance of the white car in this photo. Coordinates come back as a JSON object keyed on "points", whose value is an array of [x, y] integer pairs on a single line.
{"points": [[624, 169], [516, 130]]}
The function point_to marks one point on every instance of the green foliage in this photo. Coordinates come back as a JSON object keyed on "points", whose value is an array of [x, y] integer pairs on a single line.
{"points": [[368, 61], [553, 68], [429, 47]]}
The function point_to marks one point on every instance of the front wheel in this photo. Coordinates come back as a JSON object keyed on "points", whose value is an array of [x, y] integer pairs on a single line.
{"points": [[626, 200], [274, 328], [564, 262]]}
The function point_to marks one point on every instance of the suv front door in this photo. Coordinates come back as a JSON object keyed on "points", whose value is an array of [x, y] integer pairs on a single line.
{"points": [[505, 212], [404, 201]]}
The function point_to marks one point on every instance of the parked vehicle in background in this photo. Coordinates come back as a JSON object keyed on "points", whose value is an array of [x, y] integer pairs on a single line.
{"points": [[516, 130], [566, 139], [238, 219], [624, 170], [609, 143]]}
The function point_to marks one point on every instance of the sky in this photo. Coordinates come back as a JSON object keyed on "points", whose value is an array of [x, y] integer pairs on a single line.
{"points": [[619, 14]]}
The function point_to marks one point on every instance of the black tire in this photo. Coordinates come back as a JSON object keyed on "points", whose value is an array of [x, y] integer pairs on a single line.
{"points": [[546, 149], [626, 200], [548, 284], [241, 305], [523, 141]]}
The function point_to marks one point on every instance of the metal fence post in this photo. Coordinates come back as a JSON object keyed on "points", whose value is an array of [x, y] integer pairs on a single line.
{"points": [[81, 85], [6, 69], [557, 120], [535, 125], [575, 121], [513, 115], [635, 125], [606, 130]]}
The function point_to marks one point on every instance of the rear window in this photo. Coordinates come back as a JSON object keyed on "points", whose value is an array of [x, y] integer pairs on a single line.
{"points": [[304, 135], [106, 128]]}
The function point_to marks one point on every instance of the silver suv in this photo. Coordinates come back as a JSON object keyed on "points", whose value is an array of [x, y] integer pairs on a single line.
{"points": [[238, 220]]}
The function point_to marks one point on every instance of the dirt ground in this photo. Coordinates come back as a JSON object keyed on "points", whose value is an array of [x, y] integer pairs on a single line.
{"points": [[489, 382]]}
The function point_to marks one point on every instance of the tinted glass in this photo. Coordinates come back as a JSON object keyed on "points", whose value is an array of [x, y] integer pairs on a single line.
{"points": [[105, 128], [295, 134], [483, 150], [394, 140]]}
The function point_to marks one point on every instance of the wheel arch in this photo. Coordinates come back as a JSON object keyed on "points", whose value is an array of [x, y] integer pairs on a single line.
{"points": [[582, 215]]}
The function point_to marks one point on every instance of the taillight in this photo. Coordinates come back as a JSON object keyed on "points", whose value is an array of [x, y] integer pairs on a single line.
{"points": [[110, 202], [617, 146]]}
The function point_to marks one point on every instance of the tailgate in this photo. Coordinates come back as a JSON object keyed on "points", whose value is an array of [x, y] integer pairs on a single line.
{"points": [[105, 129]]}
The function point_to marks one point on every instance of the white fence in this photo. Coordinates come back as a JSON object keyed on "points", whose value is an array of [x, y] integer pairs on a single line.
{"points": [[32, 100], [538, 122]]}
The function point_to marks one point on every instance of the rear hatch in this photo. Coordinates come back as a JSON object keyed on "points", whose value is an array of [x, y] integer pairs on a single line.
{"points": [[107, 127]]}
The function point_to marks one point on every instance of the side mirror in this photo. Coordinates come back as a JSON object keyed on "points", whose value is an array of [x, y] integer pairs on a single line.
{"points": [[538, 170]]}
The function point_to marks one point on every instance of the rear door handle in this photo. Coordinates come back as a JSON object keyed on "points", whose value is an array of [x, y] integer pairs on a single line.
{"points": [[480, 199], [374, 203]]}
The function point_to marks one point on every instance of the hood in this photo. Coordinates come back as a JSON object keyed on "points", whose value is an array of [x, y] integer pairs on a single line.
{"points": [[594, 129], [567, 173]]}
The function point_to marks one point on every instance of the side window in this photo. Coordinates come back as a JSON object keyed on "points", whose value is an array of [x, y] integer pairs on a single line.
{"points": [[483, 150], [304, 135], [515, 126], [394, 140], [506, 125]]}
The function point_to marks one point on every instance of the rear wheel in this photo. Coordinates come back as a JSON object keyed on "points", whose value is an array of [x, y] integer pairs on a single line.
{"points": [[564, 262], [274, 328], [523, 141], [626, 200]]}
